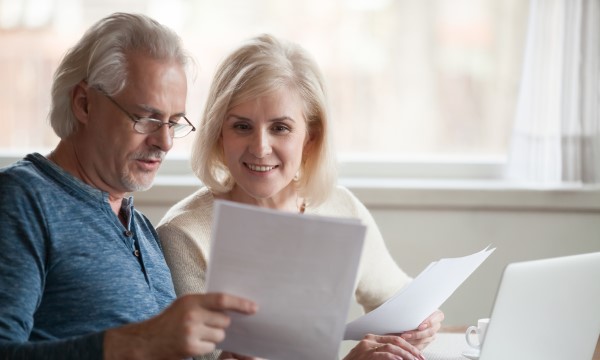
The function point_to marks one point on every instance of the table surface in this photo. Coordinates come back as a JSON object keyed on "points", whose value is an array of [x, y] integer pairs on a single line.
{"points": [[433, 352]]}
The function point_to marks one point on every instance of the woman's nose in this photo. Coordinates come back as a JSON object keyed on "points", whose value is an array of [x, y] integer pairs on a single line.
{"points": [[260, 145]]}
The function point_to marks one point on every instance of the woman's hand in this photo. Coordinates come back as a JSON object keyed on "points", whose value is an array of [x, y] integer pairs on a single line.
{"points": [[381, 347], [425, 333]]}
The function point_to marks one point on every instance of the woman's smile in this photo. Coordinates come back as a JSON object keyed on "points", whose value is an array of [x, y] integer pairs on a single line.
{"points": [[260, 168]]}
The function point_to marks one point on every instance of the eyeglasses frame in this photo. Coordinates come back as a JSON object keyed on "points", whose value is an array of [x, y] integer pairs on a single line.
{"points": [[136, 119]]}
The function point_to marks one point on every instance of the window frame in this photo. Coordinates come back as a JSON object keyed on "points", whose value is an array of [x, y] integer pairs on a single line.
{"points": [[410, 184]]}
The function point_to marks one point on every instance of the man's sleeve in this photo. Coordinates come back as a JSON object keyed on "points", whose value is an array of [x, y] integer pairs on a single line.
{"points": [[87, 347], [23, 256]]}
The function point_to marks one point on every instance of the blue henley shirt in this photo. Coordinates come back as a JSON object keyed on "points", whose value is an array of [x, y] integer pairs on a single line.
{"points": [[67, 265]]}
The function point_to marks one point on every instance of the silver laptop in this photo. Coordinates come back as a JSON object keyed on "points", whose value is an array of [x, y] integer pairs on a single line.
{"points": [[546, 309]]}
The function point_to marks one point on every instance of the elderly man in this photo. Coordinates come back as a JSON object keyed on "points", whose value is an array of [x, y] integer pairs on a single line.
{"points": [[82, 274]]}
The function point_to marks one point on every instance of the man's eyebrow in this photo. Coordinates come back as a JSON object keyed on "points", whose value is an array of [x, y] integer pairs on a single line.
{"points": [[154, 110]]}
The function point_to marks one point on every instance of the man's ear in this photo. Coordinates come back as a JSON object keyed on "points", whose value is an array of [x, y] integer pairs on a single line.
{"points": [[79, 101]]}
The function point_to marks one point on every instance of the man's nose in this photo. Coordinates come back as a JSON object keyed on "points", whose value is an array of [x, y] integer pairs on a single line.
{"points": [[162, 138]]}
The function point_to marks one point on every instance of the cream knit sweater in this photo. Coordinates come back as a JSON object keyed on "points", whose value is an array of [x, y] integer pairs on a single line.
{"points": [[185, 236]]}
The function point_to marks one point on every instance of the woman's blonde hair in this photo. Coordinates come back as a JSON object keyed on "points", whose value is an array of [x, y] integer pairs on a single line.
{"points": [[258, 67]]}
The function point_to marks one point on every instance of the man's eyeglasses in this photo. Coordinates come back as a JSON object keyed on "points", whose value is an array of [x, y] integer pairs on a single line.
{"points": [[147, 125]]}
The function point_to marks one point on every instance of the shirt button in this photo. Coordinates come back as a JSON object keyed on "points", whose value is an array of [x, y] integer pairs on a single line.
{"points": [[136, 253], [127, 233]]}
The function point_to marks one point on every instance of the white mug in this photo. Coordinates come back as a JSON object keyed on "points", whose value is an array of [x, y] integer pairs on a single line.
{"points": [[480, 330]]}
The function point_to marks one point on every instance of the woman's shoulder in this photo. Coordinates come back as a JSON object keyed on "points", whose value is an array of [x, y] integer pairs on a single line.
{"points": [[342, 193], [197, 206], [341, 202]]}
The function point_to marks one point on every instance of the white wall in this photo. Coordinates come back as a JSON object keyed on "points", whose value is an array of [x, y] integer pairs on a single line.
{"points": [[415, 237]]}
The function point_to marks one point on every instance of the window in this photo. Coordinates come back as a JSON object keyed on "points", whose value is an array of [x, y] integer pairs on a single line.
{"points": [[407, 79]]}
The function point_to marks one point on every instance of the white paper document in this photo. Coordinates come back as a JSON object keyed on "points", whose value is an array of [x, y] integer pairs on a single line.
{"points": [[418, 299], [299, 269]]}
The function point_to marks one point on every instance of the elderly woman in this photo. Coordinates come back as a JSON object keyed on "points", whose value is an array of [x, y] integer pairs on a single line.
{"points": [[265, 140]]}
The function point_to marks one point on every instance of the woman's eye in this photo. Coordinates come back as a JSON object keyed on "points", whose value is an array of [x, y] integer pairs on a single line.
{"points": [[281, 129], [241, 126]]}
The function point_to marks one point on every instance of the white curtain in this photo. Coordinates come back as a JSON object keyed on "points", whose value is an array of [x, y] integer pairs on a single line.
{"points": [[556, 136]]}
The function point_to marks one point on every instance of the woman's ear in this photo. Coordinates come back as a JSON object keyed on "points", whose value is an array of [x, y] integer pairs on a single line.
{"points": [[79, 101], [309, 143]]}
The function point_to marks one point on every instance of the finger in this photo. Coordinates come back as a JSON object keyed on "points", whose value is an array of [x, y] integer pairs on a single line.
{"points": [[368, 342], [367, 349], [398, 351], [222, 302], [204, 347], [417, 335], [435, 318], [400, 348], [211, 335], [379, 338], [439, 314], [395, 345], [427, 329], [215, 319]]}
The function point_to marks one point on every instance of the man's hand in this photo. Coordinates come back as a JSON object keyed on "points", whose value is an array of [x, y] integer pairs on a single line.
{"points": [[191, 326]]}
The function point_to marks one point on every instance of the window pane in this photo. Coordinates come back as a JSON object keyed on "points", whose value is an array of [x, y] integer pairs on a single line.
{"points": [[405, 77]]}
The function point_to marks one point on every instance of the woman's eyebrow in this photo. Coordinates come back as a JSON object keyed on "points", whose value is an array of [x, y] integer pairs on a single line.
{"points": [[238, 117], [279, 118]]}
